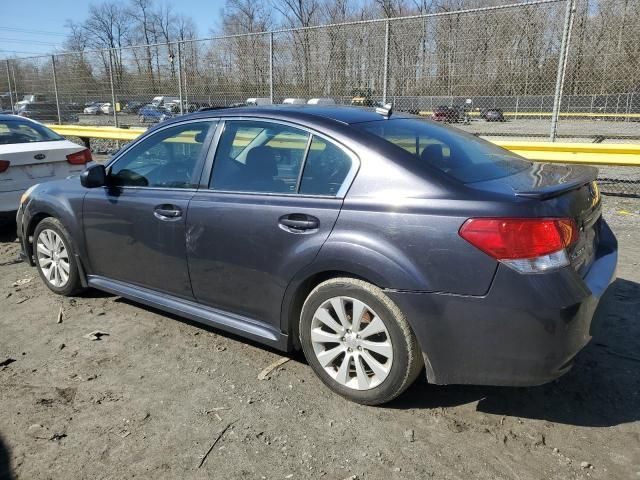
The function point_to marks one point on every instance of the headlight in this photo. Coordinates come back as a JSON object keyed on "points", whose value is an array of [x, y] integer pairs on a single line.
{"points": [[26, 194]]}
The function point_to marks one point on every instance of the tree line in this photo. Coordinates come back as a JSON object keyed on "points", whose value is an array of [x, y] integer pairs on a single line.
{"points": [[141, 44]]}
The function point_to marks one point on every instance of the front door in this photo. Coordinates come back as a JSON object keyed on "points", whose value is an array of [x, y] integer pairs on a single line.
{"points": [[273, 199], [135, 227]]}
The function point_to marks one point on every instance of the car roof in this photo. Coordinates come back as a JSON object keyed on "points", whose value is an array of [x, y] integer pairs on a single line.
{"points": [[338, 113], [8, 117]]}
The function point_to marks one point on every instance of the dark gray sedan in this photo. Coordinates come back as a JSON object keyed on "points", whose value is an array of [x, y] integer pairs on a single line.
{"points": [[379, 244]]}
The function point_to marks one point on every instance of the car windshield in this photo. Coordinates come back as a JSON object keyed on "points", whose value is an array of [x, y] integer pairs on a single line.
{"points": [[16, 131], [461, 155]]}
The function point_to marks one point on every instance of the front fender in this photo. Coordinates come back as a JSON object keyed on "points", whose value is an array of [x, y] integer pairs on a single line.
{"points": [[56, 199]]}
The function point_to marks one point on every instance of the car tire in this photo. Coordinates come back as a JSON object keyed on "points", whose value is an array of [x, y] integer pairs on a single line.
{"points": [[371, 368], [54, 254]]}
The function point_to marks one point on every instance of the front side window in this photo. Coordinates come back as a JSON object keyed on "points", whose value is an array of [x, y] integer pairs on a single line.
{"points": [[167, 159], [12, 131], [255, 156]]}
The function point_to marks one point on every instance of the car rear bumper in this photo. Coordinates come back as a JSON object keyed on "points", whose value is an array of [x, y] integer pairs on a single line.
{"points": [[525, 331], [9, 201]]}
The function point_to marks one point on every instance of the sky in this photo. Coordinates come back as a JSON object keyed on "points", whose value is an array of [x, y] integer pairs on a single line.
{"points": [[34, 27]]}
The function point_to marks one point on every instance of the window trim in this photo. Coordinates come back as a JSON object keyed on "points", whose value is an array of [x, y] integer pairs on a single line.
{"points": [[201, 162], [340, 194]]}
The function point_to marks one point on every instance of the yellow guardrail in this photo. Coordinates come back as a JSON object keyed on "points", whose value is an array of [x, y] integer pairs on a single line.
{"points": [[620, 154], [110, 133]]}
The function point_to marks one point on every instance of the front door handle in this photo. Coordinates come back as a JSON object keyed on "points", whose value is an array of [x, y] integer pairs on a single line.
{"points": [[299, 222], [167, 212]]}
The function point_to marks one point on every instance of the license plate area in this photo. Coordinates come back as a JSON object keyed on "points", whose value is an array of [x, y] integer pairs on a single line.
{"points": [[46, 170]]}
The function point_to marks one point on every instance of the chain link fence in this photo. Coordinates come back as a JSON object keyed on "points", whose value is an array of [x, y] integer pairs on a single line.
{"points": [[559, 70]]}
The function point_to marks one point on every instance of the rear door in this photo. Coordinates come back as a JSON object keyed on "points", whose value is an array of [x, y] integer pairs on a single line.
{"points": [[273, 198], [135, 228]]}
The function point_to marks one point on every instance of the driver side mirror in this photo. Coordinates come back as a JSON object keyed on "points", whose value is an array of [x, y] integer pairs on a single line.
{"points": [[94, 176]]}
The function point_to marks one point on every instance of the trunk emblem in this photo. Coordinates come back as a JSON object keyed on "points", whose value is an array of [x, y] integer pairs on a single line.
{"points": [[577, 253], [40, 156]]}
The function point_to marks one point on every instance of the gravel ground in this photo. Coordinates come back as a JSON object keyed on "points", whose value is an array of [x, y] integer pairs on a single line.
{"points": [[152, 397]]}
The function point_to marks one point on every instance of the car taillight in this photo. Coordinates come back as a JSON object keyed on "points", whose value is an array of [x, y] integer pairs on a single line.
{"points": [[4, 165], [528, 245], [79, 158]]}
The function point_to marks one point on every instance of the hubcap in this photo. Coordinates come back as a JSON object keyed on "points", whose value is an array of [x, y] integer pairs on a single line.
{"points": [[53, 258], [351, 343]]}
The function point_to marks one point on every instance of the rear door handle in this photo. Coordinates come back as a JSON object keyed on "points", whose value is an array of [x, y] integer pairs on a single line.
{"points": [[167, 212], [299, 222]]}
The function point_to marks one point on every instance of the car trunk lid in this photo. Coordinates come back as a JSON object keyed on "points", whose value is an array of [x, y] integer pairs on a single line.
{"points": [[569, 190], [35, 162]]}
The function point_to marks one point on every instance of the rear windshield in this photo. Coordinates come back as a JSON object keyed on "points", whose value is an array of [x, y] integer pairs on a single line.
{"points": [[462, 156], [20, 131]]}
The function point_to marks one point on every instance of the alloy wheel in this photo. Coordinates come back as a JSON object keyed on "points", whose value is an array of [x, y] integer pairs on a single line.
{"points": [[53, 258], [351, 343]]}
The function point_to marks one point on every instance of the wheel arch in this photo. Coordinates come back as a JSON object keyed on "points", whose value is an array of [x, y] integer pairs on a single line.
{"points": [[29, 231], [297, 293]]}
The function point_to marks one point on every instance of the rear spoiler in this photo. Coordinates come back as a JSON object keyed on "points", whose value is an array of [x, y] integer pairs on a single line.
{"points": [[580, 178]]}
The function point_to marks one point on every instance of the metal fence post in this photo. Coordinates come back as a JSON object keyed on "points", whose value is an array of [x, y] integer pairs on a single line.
{"points": [[562, 68], [385, 75], [10, 92], [180, 77], [15, 84], [55, 87], [113, 91], [271, 66]]}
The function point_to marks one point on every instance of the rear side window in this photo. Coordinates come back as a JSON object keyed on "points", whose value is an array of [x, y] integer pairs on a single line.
{"points": [[254, 156], [325, 170], [462, 156], [13, 131]]}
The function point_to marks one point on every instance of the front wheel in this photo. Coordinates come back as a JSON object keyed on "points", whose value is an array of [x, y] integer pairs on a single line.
{"points": [[55, 257], [358, 341]]}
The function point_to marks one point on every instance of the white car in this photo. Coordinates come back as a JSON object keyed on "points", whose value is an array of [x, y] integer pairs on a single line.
{"points": [[106, 108], [322, 101], [258, 101], [93, 109], [294, 101], [30, 153]]}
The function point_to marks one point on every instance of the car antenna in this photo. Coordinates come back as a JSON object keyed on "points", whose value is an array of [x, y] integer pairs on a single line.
{"points": [[385, 110]]}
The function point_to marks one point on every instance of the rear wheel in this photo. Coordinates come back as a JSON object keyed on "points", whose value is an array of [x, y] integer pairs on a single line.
{"points": [[55, 257], [358, 341]]}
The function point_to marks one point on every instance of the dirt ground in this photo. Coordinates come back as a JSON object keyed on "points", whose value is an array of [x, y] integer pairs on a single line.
{"points": [[150, 399]]}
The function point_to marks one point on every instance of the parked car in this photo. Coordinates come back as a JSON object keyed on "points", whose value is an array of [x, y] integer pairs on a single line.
{"points": [[47, 112], [363, 101], [132, 107], [492, 114], [321, 101], [31, 153], [443, 113], [257, 101], [294, 101], [93, 108], [379, 244], [32, 98], [106, 108], [162, 100], [153, 114]]}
